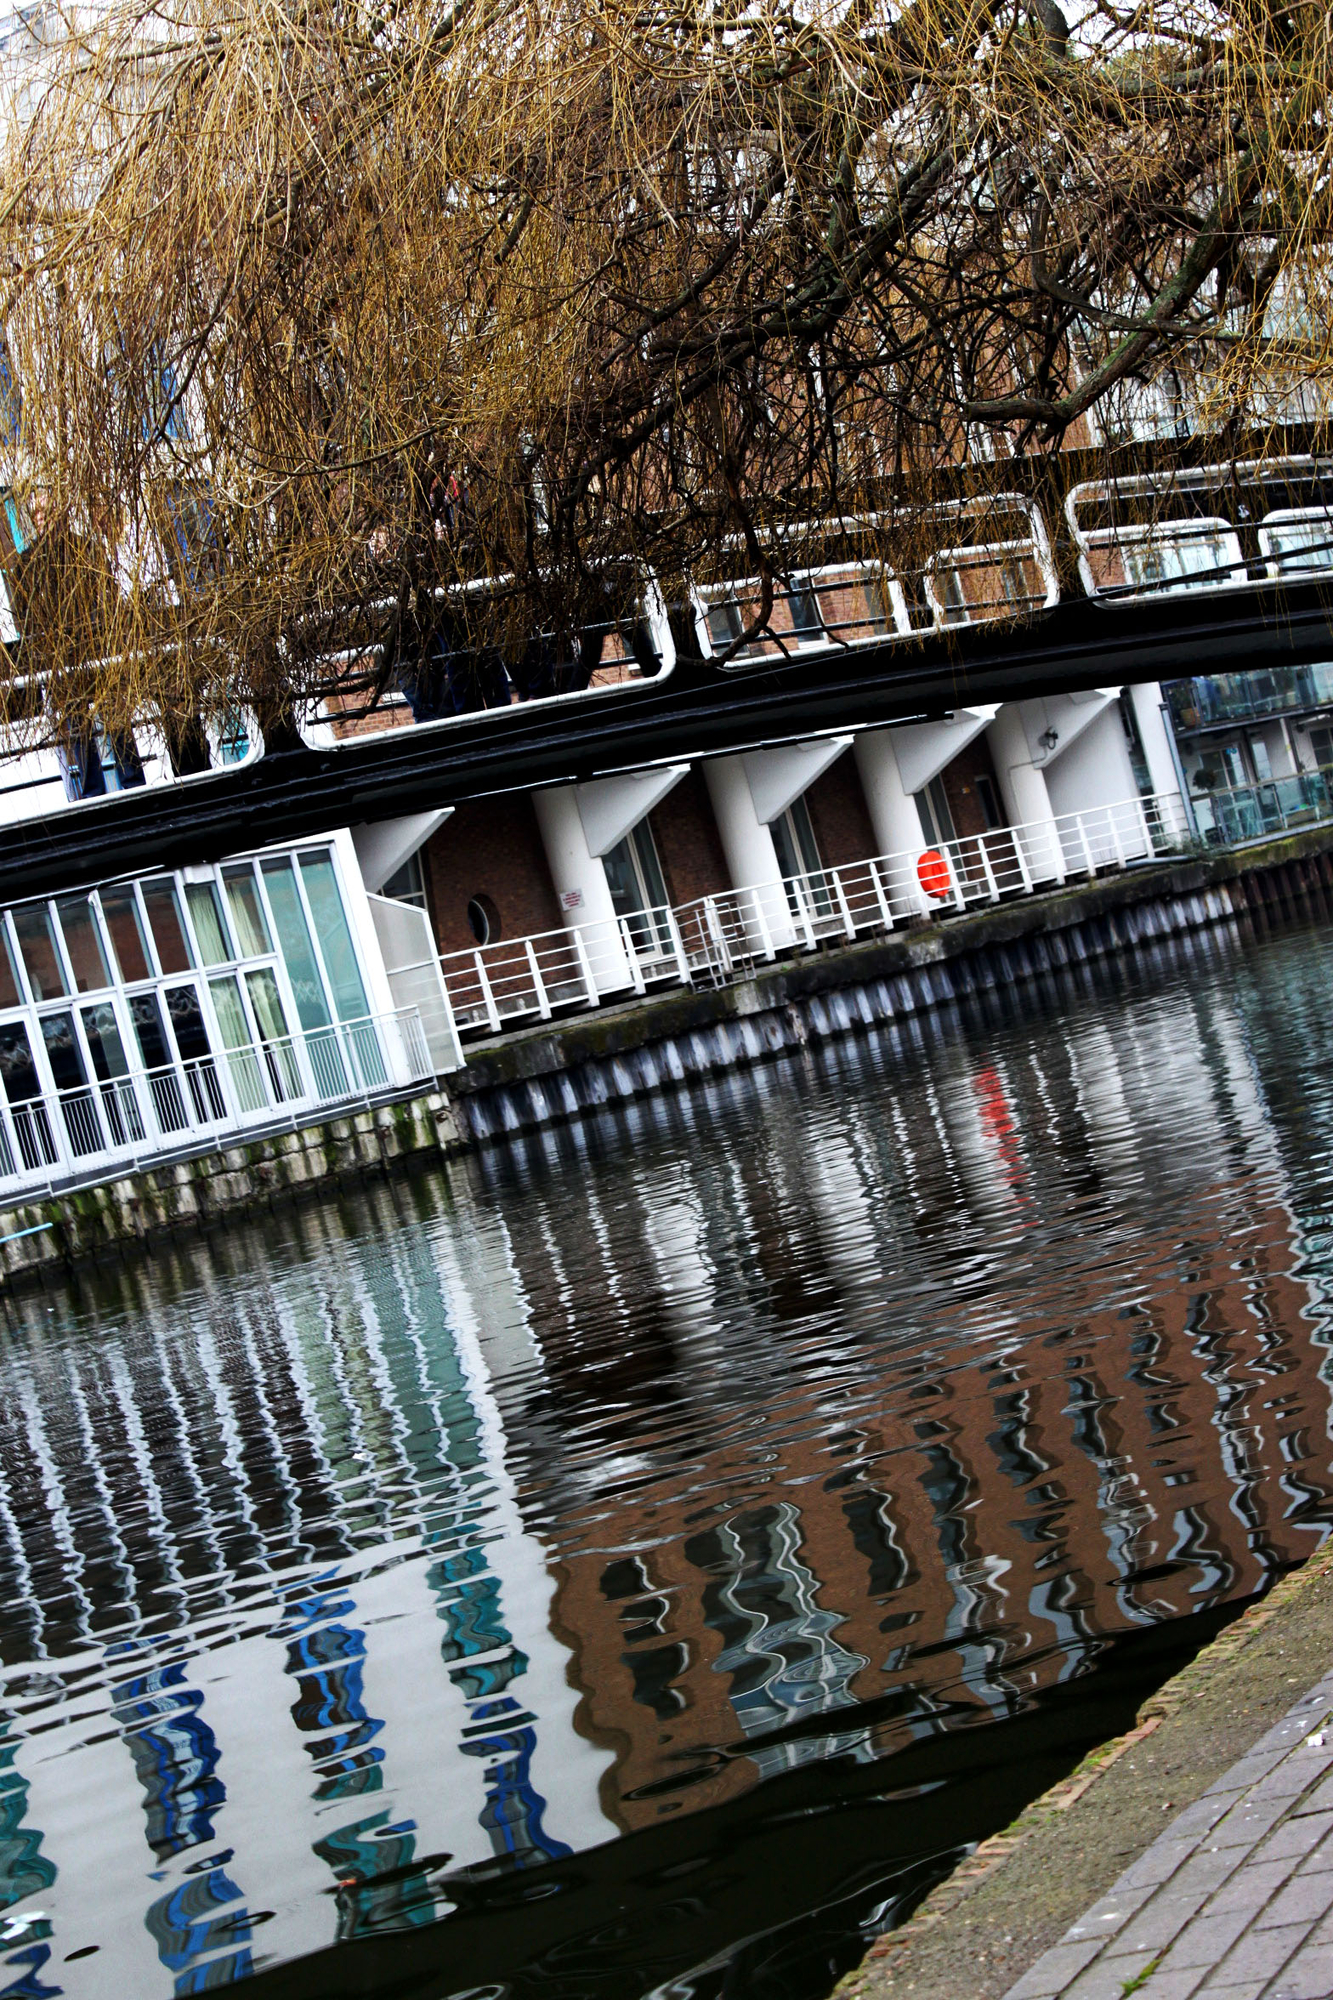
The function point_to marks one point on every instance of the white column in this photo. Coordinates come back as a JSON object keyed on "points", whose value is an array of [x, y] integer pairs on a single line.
{"points": [[893, 815], [1026, 799], [1146, 699], [752, 859], [581, 887]]}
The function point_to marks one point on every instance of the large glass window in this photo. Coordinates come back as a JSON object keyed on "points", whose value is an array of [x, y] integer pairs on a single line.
{"points": [[164, 919], [18, 1072], [294, 940], [335, 936], [242, 1061], [266, 1002], [120, 908], [10, 995], [247, 912], [210, 928], [41, 957], [638, 892], [83, 946]]}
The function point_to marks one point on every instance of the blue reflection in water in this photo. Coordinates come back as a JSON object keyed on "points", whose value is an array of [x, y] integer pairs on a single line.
{"points": [[370, 1859]]}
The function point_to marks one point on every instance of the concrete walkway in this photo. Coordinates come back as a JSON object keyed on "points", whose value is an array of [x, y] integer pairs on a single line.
{"points": [[1234, 1900]]}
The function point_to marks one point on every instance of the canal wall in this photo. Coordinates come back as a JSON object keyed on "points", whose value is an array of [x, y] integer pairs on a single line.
{"points": [[561, 1070]]}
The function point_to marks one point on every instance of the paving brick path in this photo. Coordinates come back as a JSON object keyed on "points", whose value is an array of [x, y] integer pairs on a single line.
{"points": [[1233, 1901]]}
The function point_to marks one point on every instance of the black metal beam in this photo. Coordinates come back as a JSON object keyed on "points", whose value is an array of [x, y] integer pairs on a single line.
{"points": [[695, 712]]}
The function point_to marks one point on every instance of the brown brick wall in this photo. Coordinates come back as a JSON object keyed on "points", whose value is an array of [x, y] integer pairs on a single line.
{"points": [[489, 847], [960, 786], [688, 844], [839, 815]]}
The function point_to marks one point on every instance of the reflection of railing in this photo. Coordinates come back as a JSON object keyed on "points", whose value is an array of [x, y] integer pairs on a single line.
{"points": [[716, 937], [126, 1121], [1214, 698], [1248, 812]]}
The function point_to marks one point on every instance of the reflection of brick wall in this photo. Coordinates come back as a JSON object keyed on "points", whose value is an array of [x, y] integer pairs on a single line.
{"points": [[838, 814], [687, 839], [489, 847], [960, 786], [1077, 1483]]}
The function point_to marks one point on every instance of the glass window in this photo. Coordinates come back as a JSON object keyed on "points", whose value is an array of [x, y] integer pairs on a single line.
{"points": [[267, 1003], [37, 942], [10, 996], [120, 910], [405, 884], [294, 939], [187, 1021], [247, 912], [335, 936], [164, 919], [83, 946], [63, 1052], [146, 1016], [105, 1044], [231, 1014], [210, 926], [18, 1072], [804, 607]]}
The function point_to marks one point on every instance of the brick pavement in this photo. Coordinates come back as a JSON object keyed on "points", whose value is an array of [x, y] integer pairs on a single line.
{"points": [[1233, 1901]]}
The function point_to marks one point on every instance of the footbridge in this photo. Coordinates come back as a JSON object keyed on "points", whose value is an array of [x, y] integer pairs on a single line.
{"points": [[1234, 570]]}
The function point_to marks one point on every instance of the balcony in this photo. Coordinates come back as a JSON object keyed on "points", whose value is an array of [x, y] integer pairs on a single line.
{"points": [[1227, 817], [1210, 701], [718, 938], [121, 1124]]}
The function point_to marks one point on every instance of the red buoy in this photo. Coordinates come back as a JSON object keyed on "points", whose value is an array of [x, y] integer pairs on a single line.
{"points": [[932, 871]]}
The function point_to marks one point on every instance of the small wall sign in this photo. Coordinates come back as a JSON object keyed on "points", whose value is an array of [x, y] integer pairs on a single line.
{"points": [[571, 899]]}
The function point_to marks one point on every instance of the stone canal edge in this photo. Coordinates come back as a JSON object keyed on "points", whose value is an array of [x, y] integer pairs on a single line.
{"points": [[1014, 1897]]}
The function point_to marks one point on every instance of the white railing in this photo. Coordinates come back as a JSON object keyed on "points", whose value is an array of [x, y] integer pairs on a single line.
{"points": [[129, 1121], [715, 938]]}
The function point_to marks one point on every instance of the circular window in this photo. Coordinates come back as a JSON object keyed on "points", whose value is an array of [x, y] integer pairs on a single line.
{"points": [[483, 919]]}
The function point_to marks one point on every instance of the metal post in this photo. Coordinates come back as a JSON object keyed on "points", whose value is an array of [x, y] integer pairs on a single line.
{"points": [[678, 947], [1116, 842], [585, 968], [488, 998], [1087, 851], [631, 957], [1024, 872], [956, 875], [881, 897], [543, 1003], [845, 906], [765, 935], [992, 886]]}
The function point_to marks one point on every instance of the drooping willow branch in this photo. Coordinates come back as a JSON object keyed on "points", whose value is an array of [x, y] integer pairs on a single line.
{"points": [[318, 319]]}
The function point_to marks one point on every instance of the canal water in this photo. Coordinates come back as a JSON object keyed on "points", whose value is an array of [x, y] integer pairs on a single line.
{"points": [[641, 1561]]}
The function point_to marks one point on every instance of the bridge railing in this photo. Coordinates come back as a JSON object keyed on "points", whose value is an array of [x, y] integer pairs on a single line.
{"points": [[715, 938]]}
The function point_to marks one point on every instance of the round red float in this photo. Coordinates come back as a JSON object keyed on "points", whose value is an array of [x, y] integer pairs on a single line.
{"points": [[932, 872]]}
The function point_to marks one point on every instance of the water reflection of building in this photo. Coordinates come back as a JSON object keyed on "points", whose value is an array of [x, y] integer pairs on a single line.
{"points": [[1034, 1457], [293, 1658], [476, 1534]]}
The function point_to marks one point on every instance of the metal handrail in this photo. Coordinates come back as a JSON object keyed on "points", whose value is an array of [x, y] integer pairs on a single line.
{"points": [[716, 937], [144, 1115]]}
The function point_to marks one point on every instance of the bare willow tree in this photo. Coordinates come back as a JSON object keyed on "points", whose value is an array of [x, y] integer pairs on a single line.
{"points": [[344, 336]]}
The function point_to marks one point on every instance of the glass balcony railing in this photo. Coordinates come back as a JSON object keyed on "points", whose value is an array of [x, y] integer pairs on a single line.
{"points": [[1213, 698], [1248, 812]]}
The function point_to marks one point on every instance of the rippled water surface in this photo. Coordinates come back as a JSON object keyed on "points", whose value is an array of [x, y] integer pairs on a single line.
{"points": [[638, 1563]]}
